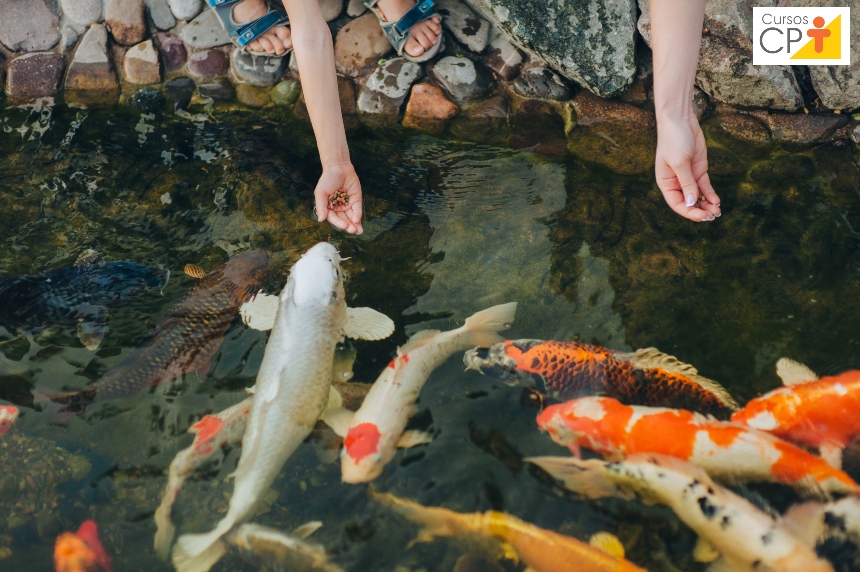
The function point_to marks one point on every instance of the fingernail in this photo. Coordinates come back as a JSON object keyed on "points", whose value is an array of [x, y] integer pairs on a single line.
{"points": [[691, 200], [719, 214]]}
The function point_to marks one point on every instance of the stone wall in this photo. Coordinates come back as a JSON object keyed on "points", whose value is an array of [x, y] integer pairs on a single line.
{"points": [[532, 75]]}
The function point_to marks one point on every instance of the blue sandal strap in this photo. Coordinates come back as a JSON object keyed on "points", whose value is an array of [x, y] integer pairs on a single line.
{"points": [[222, 2], [418, 13], [252, 30]]}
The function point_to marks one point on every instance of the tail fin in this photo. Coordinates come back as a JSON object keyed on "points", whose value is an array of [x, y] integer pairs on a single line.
{"points": [[199, 552], [484, 326], [434, 521], [584, 477]]}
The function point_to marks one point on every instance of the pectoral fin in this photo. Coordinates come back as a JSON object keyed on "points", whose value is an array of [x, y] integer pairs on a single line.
{"points": [[334, 400], [704, 551], [259, 312], [339, 420], [367, 324], [91, 328], [413, 438], [307, 529], [794, 373]]}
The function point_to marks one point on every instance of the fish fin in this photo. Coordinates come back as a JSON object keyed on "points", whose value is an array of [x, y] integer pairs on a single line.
{"points": [[417, 340], [413, 438], [198, 552], [434, 521], [91, 334], [367, 324], [259, 312], [335, 401], [608, 543], [794, 373], [832, 453], [704, 551], [651, 358], [587, 478], [806, 521], [194, 271], [89, 256], [339, 420], [203, 370], [308, 528], [485, 325]]}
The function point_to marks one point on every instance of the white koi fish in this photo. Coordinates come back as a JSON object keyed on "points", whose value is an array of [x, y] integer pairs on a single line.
{"points": [[282, 551], [373, 433], [292, 389], [749, 539]]}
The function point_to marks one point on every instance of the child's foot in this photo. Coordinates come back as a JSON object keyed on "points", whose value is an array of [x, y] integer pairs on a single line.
{"points": [[422, 36], [275, 41]]}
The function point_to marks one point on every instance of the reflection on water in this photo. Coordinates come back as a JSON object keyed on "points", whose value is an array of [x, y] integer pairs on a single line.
{"points": [[451, 228]]}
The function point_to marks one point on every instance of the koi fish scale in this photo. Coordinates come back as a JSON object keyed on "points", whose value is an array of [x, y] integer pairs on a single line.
{"points": [[565, 370], [728, 450]]}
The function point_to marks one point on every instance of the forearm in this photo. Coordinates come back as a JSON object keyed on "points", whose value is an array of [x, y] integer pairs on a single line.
{"points": [[676, 37], [314, 50]]}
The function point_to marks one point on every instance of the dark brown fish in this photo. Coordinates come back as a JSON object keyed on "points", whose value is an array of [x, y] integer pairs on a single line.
{"points": [[565, 370], [186, 339]]}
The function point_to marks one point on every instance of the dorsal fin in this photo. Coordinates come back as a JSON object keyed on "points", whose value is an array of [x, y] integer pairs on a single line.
{"points": [[417, 340], [648, 358], [89, 256], [794, 373]]}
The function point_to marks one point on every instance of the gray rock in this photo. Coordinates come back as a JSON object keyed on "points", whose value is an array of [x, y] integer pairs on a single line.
{"points": [[68, 38], [185, 9], [208, 63], [462, 79], [355, 8], [147, 100], [91, 67], [160, 14], [591, 42], [179, 91], [260, 71], [34, 75], [140, 64], [725, 69], [125, 20], [541, 83], [469, 29], [220, 89], [28, 26], [82, 12], [385, 90], [172, 51], [204, 31], [503, 57], [331, 9]]}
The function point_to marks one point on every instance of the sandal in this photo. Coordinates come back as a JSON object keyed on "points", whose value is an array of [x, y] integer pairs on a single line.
{"points": [[398, 32], [243, 34]]}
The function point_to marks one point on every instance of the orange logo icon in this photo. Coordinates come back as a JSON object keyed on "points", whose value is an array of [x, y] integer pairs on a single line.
{"points": [[826, 42]]}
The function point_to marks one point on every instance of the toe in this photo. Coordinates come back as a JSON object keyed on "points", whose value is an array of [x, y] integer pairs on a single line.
{"points": [[266, 45], [413, 47], [435, 26], [284, 36]]}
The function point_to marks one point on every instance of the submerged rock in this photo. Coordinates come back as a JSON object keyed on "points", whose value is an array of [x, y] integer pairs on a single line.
{"points": [[503, 57], [428, 109], [722, 163], [781, 168], [82, 12], [469, 29], [204, 31], [179, 91], [537, 126], [618, 135], [28, 26], [147, 100], [125, 20], [260, 71], [34, 75], [359, 46], [91, 68], [462, 79], [220, 90], [804, 129], [140, 64], [385, 90], [287, 92], [726, 72], [251, 96], [541, 83], [484, 121], [208, 63], [592, 43], [741, 131]]}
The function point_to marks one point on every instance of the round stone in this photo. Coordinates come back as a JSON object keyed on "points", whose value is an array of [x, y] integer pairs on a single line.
{"points": [[147, 100], [208, 63]]}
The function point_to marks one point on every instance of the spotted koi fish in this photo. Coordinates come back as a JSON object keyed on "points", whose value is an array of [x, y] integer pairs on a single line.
{"points": [[749, 539], [565, 370], [8, 415], [81, 551], [540, 549], [822, 413], [833, 529], [728, 451]]}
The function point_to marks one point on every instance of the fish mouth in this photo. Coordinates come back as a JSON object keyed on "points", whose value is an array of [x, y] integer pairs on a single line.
{"points": [[497, 365]]}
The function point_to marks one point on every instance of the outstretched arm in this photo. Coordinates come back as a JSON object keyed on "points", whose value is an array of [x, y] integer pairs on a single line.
{"points": [[315, 55], [681, 166]]}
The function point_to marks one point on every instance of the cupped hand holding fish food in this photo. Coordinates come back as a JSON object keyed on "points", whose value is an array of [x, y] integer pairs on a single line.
{"points": [[339, 178]]}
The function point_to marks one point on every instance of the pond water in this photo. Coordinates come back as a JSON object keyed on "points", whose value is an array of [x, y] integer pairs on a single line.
{"points": [[450, 228]]}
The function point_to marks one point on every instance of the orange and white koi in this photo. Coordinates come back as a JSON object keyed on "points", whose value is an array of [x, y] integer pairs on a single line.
{"points": [[540, 549], [372, 434], [728, 451], [749, 539], [8, 415], [81, 551], [822, 413]]}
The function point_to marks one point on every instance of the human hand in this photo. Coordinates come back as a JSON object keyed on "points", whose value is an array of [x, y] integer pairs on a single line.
{"points": [[681, 168], [333, 179]]}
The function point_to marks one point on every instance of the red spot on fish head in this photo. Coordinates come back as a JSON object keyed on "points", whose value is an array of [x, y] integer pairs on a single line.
{"points": [[391, 363], [361, 441], [207, 429], [405, 358]]}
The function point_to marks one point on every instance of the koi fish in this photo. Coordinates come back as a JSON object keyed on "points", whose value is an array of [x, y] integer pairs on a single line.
{"points": [[77, 296], [540, 549], [372, 434], [748, 538], [272, 548], [815, 412], [832, 529], [184, 341], [8, 415], [211, 434], [565, 370], [728, 451], [81, 551], [292, 390]]}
